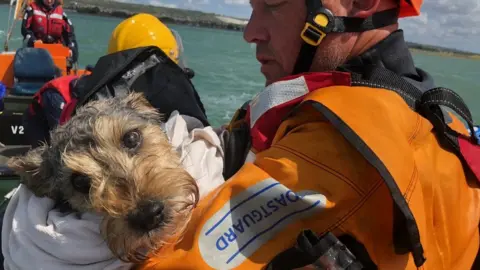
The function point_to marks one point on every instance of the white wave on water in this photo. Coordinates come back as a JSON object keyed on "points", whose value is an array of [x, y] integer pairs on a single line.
{"points": [[232, 20], [220, 108], [228, 116], [14, 38]]}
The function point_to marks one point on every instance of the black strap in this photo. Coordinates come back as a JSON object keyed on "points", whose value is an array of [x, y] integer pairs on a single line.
{"points": [[377, 20], [236, 142], [342, 24], [426, 103], [446, 136], [378, 77], [311, 250], [336, 25], [304, 61], [445, 97]]}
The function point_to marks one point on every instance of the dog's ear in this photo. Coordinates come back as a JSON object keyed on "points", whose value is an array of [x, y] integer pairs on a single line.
{"points": [[138, 102], [28, 167]]}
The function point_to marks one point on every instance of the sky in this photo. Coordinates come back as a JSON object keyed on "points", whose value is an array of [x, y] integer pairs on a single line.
{"points": [[446, 23]]}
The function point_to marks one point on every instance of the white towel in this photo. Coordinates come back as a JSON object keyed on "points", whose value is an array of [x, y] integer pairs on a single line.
{"points": [[200, 149], [35, 236]]}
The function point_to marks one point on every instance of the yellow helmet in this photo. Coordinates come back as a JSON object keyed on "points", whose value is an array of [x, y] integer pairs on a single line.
{"points": [[144, 30]]}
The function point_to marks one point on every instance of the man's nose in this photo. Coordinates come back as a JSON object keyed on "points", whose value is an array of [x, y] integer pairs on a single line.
{"points": [[255, 31]]}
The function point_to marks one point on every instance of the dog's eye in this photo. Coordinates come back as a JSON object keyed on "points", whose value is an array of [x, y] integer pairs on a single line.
{"points": [[80, 183], [132, 139]]}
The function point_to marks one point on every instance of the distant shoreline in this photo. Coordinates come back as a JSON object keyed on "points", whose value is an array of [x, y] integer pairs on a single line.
{"points": [[206, 20], [166, 15], [442, 51], [446, 54]]}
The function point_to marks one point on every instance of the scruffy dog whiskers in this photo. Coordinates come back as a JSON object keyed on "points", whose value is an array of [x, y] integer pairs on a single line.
{"points": [[114, 159]]}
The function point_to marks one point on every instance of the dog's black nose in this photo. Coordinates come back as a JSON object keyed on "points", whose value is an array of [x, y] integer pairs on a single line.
{"points": [[148, 215]]}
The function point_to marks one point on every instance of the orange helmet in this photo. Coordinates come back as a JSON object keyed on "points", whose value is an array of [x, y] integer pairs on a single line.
{"points": [[410, 8]]}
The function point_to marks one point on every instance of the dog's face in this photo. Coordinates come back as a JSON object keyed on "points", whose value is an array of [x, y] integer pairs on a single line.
{"points": [[113, 158]]}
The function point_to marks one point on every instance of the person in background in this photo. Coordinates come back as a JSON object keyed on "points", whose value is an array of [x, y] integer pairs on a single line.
{"points": [[45, 21], [44, 111]]}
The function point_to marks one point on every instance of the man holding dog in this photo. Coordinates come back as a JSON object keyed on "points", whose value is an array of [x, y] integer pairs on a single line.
{"points": [[357, 150]]}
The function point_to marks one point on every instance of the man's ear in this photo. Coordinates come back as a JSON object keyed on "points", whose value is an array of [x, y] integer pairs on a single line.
{"points": [[364, 8], [28, 168]]}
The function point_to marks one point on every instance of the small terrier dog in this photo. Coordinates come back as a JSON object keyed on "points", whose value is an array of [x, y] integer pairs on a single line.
{"points": [[113, 158]]}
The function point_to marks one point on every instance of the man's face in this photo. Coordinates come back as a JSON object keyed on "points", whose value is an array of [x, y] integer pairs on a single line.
{"points": [[275, 27], [48, 2]]}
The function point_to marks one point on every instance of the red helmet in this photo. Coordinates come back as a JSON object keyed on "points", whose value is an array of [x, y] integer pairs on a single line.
{"points": [[410, 8]]}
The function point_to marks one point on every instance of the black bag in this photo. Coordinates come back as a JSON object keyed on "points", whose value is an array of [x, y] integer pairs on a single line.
{"points": [[147, 69]]}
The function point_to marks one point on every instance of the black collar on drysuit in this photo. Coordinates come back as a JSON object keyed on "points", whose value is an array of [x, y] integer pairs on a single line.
{"points": [[320, 21], [393, 54]]}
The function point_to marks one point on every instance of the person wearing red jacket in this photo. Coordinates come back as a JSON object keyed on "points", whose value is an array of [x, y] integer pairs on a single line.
{"points": [[45, 21], [44, 112]]}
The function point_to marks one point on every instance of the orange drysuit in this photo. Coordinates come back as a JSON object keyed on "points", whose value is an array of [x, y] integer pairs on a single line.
{"points": [[337, 153]]}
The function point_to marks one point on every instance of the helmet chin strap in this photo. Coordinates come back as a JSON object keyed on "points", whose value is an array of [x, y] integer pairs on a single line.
{"points": [[320, 21]]}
